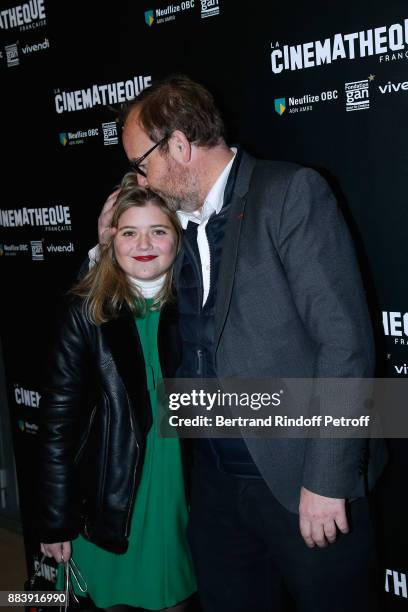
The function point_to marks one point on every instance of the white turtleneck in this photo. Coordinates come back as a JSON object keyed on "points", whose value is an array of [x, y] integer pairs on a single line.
{"points": [[148, 288]]}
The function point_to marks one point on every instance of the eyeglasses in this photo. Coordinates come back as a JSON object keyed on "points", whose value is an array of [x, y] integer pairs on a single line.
{"points": [[136, 163]]}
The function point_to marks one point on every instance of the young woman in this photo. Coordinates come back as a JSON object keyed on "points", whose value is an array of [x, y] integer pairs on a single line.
{"points": [[112, 490]]}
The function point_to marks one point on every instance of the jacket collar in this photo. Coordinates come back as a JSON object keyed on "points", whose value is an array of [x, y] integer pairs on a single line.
{"points": [[236, 190], [125, 346], [127, 352]]}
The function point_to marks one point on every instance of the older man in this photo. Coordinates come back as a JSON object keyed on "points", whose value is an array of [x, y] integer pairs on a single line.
{"points": [[268, 286]]}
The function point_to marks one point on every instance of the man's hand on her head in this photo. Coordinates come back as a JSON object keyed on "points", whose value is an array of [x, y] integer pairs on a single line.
{"points": [[105, 231], [320, 517]]}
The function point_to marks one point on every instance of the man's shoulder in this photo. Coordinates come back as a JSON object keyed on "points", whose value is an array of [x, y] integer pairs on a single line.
{"points": [[274, 177], [274, 173], [273, 165]]}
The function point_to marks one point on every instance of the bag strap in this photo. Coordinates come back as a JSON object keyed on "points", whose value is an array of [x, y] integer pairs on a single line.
{"points": [[71, 572]]}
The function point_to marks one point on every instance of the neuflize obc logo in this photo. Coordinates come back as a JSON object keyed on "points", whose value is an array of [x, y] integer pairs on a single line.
{"points": [[170, 12], [149, 17], [24, 426], [280, 105], [12, 250], [63, 138], [78, 137]]}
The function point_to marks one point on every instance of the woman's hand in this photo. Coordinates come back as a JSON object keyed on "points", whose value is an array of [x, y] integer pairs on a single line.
{"points": [[61, 551], [105, 231]]}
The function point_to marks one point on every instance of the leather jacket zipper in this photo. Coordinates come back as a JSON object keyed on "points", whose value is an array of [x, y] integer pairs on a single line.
{"points": [[132, 493], [134, 476], [85, 440]]}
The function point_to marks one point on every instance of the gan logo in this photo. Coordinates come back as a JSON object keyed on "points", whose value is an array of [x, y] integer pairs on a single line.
{"points": [[280, 105], [12, 55], [63, 138], [149, 17], [110, 133], [357, 95], [37, 251], [209, 8]]}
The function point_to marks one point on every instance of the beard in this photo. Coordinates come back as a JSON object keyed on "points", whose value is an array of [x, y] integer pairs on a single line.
{"points": [[186, 202], [180, 190]]}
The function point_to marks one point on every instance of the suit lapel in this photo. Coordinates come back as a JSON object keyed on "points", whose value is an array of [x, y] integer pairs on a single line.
{"points": [[126, 349], [231, 243]]}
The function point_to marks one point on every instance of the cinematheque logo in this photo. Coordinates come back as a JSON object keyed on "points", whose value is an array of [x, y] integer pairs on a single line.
{"points": [[100, 95], [52, 218], [388, 43], [27, 16], [395, 325]]}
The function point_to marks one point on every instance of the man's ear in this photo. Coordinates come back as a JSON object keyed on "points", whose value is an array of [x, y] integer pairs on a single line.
{"points": [[180, 147]]}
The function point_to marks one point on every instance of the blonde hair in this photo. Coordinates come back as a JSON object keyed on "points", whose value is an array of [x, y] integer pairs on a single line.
{"points": [[105, 287]]}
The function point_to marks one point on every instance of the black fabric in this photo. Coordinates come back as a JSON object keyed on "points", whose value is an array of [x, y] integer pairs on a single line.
{"points": [[248, 552], [197, 325], [290, 304], [197, 321], [95, 416]]}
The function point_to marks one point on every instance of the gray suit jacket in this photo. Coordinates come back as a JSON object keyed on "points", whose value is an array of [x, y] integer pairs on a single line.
{"points": [[290, 303]]}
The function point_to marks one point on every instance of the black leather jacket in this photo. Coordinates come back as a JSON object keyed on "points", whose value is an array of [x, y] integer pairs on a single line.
{"points": [[95, 417]]}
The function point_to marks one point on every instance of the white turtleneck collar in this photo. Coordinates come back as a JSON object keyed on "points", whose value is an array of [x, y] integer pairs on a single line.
{"points": [[148, 288]]}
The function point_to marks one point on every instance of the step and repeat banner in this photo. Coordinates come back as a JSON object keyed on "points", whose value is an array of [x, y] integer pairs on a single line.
{"points": [[326, 87]]}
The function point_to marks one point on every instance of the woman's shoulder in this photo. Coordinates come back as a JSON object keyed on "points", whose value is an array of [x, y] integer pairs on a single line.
{"points": [[72, 302], [72, 308]]}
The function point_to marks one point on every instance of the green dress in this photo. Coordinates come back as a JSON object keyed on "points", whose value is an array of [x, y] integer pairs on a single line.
{"points": [[156, 570]]}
